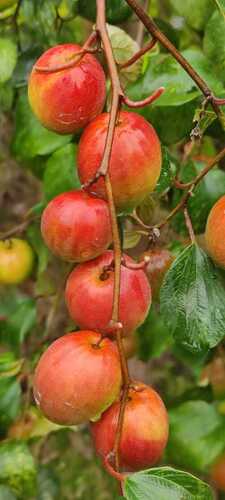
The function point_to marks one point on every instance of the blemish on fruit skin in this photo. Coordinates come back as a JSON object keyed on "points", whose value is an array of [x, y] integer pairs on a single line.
{"points": [[37, 398], [68, 404]]}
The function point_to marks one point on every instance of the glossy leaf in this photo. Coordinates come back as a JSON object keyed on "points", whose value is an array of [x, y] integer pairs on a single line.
{"points": [[214, 46], [30, 137], [8, 58], [197, 435], [193, 290], [168, 172], [61, 174], [165, 483]]}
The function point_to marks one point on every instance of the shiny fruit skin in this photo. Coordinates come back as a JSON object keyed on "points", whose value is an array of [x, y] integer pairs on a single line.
{"points": [[215, 233], [160, 262], [117, 11], [77, 378], [66, 101], [76, 226], [89, 295], [16, 261], [218, 474], [135, 161], [145, 430]]}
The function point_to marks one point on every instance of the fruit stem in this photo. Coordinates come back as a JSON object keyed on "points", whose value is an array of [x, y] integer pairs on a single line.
{"points": [[189, 226], [115, 105], [138, 54], [165, 42]]}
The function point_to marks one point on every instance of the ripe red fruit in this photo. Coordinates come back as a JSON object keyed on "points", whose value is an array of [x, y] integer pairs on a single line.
{"points": [[89, 295], [135, 162], [218, 473], [160, 261], [215, 232], [76, 226], [145, 429], [77, 378], [67, 100]]}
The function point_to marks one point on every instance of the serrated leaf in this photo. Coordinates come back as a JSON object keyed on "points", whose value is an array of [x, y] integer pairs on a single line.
{"points": [[193, 290], [61, 173], [17, 469], [8, 58], [197, 435], [124, 47], [165, 483], [221, 5], [30, 138]]}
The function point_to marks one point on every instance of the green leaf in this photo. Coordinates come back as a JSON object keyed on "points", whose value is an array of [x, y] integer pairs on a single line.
{"points": [[61, 174], [124, 47], [30, 137], [117, 11], [10, 402], [36, 240], [197, 435], [48, 485], [9, 366], [193, 290], [165, 484], [131, 239], [205, 196], [213, 43], [195, 12], [19, 313], [17, 469], [153, 336], [8, 58], [221, 5], [168, 172], [165, 71], [6, 96]]}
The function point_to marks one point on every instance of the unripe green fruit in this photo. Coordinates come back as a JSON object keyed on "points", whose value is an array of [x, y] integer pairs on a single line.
{"points": [[16, 261]]}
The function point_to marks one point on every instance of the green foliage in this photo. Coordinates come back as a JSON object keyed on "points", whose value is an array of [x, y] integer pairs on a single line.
{"points": [[30, 137], [117, 11], [17, 469], [196, 14], [196, 435], [19, 313], [60, 174], [166, 483], [206, 194], [214, 43], [193, 290]]}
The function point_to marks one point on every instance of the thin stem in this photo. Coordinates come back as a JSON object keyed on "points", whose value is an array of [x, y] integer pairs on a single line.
{"points": [[145, 102], [20, 228], [165, 42], [189, 225], [116, 100], [139, 54], [211, 164]]}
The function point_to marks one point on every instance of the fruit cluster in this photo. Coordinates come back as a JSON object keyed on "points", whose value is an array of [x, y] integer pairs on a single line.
{"points": [[78, 378]]}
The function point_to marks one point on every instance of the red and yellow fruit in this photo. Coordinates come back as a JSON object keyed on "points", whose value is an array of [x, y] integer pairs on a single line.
{"points": [[218, 473], [145, 429], [77, 378], [160, 261], [76, 226], [135, 163], [215, 233], [66, 100], [16, 261], [89, 295]]}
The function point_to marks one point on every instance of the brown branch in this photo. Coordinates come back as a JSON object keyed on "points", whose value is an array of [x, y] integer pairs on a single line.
{"points": [[115, 105], [145, 102], [139, 54], [189, 225], [165, 42], [20, 228]]}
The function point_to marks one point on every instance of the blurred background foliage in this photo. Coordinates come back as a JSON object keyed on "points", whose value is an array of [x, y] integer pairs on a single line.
{"points": [[39, 460]]}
